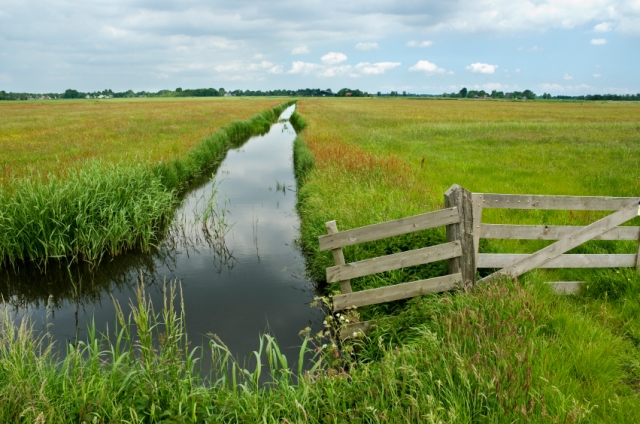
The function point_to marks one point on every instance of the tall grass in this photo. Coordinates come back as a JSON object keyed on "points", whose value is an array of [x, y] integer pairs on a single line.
{"points": [[102, 208], [490, 355]]}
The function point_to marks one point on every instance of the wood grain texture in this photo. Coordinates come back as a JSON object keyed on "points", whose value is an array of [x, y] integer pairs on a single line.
{"points": [[338, 257], [396, 261], [389, 229], [476, 199], [574, 203], [551, 232], [396, 292], [460, 198], [506, 260], [567, 243]]}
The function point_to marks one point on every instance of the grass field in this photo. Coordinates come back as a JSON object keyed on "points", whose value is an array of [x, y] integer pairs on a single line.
{"points": [[507, 352], [379, 160], [51, 135]]}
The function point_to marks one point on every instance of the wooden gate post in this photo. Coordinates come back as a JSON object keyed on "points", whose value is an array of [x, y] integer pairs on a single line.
{"points": [[466, 264]]}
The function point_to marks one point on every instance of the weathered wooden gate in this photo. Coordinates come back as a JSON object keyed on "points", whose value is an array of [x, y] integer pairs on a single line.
{"points": [[568, 237], [342, 272]]}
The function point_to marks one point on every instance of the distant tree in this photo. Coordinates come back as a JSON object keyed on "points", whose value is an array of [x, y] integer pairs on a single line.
{"points": [[463, 92], [179, 90], [529, 94], [71, 94], [222, 91], [404, 93], [328, 90]]}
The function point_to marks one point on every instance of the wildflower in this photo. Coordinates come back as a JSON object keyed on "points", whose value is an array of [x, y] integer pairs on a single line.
{"points": [[341, 318], [355, 334], [324, 346], [346, 320]]}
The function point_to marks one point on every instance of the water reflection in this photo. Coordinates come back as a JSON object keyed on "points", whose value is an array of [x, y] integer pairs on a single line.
{"points": [[231, 244]]}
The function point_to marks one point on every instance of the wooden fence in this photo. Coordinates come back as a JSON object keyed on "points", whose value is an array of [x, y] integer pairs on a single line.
{"points": [[464, 227], [342, 272]]}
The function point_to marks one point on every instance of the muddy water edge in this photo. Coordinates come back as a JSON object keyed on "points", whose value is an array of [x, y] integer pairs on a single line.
{"points": [[231, 246]]}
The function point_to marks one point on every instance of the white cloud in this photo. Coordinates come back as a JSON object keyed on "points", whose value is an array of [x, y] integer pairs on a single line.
{"points": [[359, 70], [597, 75], [304, 68], [426, 43], [300, 50], [427, 67], [276, 69], [5, 77], [367, 46], [333, 58], [481, 68], [567, 77], [603, 27], [598, 41], [378, 68]]}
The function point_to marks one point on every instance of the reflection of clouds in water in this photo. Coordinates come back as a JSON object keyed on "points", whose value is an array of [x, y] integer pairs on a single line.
{"points": [[236, 303]]}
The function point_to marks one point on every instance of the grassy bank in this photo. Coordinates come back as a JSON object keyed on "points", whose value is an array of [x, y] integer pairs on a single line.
{"points": [[378, 160], [99, 208]]}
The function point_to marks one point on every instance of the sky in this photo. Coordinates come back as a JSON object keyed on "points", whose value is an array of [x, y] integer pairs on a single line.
{"points": [[566, 47]]}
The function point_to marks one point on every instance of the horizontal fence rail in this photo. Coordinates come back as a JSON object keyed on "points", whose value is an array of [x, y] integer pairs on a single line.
{"points": [[566, 203], [395, 261], [551, 232], [389, 229]]}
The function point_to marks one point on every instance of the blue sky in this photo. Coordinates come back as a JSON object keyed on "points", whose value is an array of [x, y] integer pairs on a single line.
{"points": [[559, 46]]}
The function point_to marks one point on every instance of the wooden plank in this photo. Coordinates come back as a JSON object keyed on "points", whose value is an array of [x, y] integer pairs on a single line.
{"points": [[459, 197], [573, 203], [638, 255], [551, 232], [478, 201], [566, 287], [389, 229], [567, 243], [396, 261], [506, 260], [338, 257], [396, 292]]}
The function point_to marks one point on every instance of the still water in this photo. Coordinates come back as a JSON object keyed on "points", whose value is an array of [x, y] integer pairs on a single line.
{"points": [[231, 246]]}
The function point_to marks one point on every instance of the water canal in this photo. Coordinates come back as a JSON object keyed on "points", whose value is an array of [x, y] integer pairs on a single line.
{"points": [[231, 246]]}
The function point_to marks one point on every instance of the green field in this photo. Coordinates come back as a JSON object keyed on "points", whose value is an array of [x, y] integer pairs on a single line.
{"points": [[507, 352], [51, 136]]}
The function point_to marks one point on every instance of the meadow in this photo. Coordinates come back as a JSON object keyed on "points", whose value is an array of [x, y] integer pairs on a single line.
{"points": [[380, 160], [51, 136], [508, 352]]}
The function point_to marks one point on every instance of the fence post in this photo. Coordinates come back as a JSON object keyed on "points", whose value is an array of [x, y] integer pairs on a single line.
{"points": [[466, 264]]}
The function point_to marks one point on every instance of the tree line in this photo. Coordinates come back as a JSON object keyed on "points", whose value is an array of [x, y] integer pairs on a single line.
{"points": [[305, 92]]}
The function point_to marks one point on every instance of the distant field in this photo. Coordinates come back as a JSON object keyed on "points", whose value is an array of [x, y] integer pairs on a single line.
{"points": [[49, 135], [493, 146]]}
